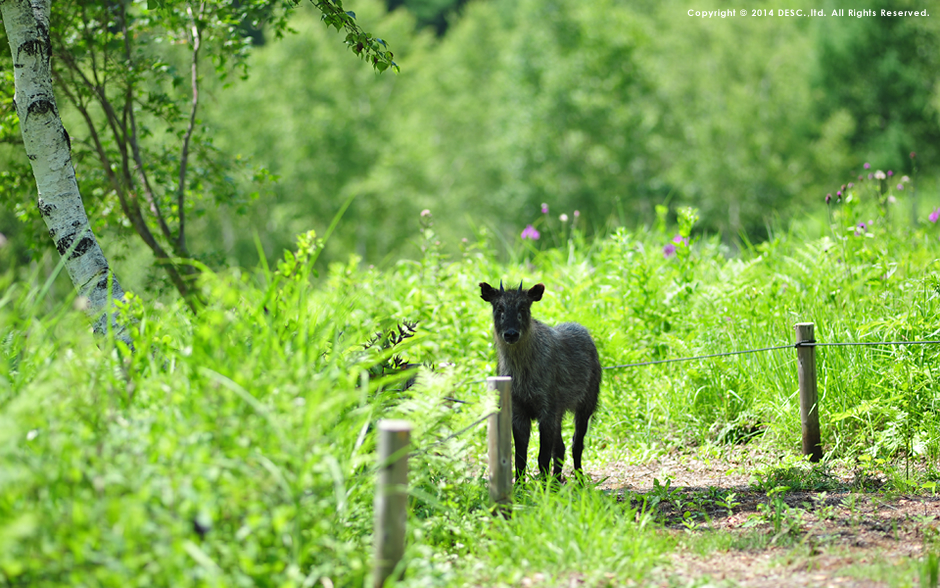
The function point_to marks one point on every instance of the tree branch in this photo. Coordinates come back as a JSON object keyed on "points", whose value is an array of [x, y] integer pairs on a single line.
{"points": [[118, 127], [95, 138], [131, 212], [135, 144], [128, 205], [90, 43]]}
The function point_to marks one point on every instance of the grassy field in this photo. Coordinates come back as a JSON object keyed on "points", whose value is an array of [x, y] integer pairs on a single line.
{"points": [[235, 448]]}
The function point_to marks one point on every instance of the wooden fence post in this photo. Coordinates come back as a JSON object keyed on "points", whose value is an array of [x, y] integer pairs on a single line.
{"points": [[391, 498], [499, 439], [809, 398]]}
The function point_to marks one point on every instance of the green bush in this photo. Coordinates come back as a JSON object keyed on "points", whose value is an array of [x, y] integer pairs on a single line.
{"points": [[236, 447]]}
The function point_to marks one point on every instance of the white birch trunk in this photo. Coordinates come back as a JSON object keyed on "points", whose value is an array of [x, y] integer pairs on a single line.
{"points": [[49, 152]]}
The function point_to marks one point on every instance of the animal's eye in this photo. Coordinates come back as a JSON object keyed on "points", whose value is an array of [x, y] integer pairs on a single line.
{"points": [[519, 316]]}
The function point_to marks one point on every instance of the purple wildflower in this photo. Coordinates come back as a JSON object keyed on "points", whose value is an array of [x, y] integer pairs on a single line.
{"points": [[935, 215], [860, 228], [577, 213], [870, 176], [669, 250], [680, 239], [828, 198], [900, 186], [851, 185], [544, 208], [530, 233], [839, 194], [890, 173], [867, 165]]}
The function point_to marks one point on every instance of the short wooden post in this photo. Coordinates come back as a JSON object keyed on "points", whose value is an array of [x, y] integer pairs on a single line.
{"points": [[809, 398], [391, 498], [499, 438]]}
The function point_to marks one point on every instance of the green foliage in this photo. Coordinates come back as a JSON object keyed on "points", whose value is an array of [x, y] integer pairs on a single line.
{"points": [[794, 475], [930, 570], [877, 80], [128, 78], [786, 521], [230, 449], [237, 446], [371, 49], [732, 124], [569, 525], [604, 108], [430, 13], [312, 144]]}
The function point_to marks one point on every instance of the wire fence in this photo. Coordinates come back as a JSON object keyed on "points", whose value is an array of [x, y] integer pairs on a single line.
{"points": [[709, 356], [797, 345], [394, 445], [457, 434]]}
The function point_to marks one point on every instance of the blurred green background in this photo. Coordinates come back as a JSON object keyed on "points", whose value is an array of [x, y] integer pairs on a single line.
{"points": [[233, 447], [608, 108]]}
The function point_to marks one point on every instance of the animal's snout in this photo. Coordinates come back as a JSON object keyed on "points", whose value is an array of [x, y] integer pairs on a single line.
{"points": [[510, 336]]}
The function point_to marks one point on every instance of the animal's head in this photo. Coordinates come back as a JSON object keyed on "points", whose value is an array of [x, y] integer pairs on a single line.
{"points": [[512, 309]]}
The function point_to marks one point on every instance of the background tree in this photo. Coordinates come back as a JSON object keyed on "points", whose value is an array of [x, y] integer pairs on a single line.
{"points": [[47, 147], [131, 71], [603, 107], [607, 108], [882, 76]]}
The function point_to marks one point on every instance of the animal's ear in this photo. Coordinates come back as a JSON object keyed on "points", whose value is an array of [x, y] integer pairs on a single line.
{"points": [[536, 291], [488, 293]]}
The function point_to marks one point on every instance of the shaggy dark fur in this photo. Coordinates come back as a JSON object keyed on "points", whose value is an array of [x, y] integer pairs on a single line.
{"points": [[553, 370]]}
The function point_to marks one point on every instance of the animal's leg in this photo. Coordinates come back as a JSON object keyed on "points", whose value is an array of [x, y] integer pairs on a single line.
{"points": [[521, 429], [549, 434], [581, 418], [558, 451]]}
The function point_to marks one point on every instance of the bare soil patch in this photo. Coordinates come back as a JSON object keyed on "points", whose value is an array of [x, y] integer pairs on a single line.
{"points": [[849, 532]]}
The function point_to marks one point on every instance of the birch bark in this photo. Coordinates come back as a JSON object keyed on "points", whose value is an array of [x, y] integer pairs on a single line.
{"points": [[49, 151]]}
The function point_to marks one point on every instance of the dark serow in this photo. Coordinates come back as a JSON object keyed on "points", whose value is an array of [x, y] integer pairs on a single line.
{"points": [[554, 370]]}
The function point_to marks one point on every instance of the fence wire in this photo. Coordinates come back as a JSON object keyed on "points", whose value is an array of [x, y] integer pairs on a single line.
{"points": [[709, 356], [403, 453], [796, 345], [815, 344], [455, 435]]}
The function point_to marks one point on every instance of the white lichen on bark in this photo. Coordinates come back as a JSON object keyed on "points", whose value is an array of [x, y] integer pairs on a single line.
{"points": [[49, 151]]}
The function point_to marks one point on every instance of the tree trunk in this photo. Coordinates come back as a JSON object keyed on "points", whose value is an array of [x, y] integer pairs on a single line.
{"points": [[49, 152]]}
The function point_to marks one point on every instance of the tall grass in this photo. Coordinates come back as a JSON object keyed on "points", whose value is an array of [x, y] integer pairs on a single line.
{"points": [[235, 447]]}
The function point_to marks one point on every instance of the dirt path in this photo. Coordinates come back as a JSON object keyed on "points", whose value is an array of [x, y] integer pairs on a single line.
{"points": [[835, 528]]}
